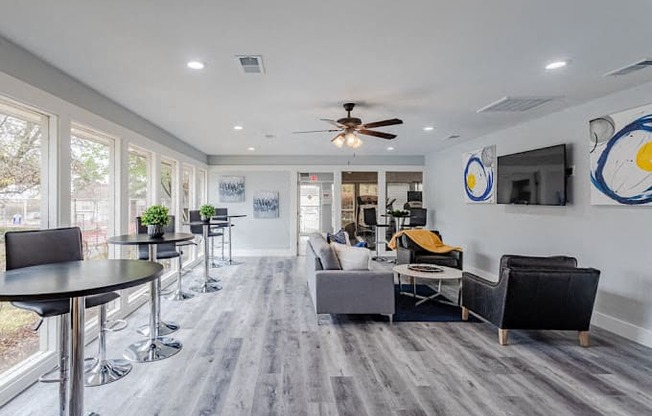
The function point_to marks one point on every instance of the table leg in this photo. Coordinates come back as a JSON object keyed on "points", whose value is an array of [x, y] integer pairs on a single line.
{"points": [[231, 261], [155, 347], [76, 379], [206, 286], [164, 328]]}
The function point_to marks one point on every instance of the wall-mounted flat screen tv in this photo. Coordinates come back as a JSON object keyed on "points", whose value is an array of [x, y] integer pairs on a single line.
{"points": [[535, 177]]}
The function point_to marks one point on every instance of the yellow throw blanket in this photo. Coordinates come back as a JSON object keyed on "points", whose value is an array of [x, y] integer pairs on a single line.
{"points": [[425, 239]]}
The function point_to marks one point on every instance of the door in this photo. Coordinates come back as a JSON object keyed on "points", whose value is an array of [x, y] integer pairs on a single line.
{"points": [[315, 210]]}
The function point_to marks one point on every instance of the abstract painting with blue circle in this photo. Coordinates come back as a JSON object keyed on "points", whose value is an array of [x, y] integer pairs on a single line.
{"points": [[479, 182], [621, 158]]}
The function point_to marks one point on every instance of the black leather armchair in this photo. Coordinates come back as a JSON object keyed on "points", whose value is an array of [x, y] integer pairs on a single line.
{"points": [[408, 252], [534, 293]]}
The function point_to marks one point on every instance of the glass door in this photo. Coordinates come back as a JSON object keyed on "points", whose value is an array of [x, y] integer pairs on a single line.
{"points": [[315, 211], [359, 192]]}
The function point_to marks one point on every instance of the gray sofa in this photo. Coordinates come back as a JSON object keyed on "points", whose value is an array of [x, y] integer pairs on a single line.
{"points": [[336, 291]]}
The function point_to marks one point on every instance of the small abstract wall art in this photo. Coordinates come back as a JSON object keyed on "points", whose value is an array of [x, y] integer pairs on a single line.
{"points": [[621, 158], [479, 182], [266, 204], [232, 189]]}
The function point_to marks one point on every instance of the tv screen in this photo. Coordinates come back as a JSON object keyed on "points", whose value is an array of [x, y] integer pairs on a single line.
{"points": [[535, 177], [414, 196]]}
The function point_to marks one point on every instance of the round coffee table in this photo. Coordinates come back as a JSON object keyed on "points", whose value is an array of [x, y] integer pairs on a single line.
{"points": [[432, 279]]}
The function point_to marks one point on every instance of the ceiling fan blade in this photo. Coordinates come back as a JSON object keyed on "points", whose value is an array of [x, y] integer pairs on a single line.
{"points": [[314, 131], [333, 122], [382, 123], [377, 134]]}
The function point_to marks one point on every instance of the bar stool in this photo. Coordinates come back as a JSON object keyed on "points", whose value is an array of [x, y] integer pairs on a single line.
{"points": [[213, 231], [106, 371], [371, 221], [36, 247]]}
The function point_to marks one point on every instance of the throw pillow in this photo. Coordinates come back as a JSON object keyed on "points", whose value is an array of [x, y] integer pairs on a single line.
{"points": [[340, 237], [352, 258]]}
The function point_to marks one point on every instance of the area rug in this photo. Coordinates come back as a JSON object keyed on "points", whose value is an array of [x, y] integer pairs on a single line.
{"points": [[429, 311]]}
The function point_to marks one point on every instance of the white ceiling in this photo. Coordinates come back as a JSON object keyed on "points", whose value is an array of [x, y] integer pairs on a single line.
{"points": [[428, 62]]}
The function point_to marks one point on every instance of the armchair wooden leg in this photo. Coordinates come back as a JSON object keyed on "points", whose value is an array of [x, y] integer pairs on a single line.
{"points": [[502, 336], [584, 338], [465, 314]]}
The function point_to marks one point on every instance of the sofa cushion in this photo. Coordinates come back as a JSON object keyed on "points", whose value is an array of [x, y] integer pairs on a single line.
{"points": [[352, 258], [324, 252]]}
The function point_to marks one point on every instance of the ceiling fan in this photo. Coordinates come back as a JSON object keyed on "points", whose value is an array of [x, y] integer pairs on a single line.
{"points": [[349, 126]]}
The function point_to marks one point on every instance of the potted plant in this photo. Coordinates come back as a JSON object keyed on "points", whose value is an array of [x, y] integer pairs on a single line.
{"points": [[206, 211], [398, 213], [155, 218]]}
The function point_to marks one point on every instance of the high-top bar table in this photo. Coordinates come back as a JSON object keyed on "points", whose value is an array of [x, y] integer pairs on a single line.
{"points": [[209, 285], [228, 219], [156, 347], [75, 280]]}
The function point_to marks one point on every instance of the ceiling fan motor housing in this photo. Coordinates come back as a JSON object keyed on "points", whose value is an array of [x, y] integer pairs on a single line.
{"points": [[350, 121]]}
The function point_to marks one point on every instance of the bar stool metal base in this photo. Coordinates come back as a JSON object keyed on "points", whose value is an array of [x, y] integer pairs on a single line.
{"points": [[152, 350], [164, 328], [179, 295], [206, 287], [106, 372]]}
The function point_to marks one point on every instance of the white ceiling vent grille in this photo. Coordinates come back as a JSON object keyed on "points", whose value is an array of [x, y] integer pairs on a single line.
{"points": [[251, 64], [636, 66], [515, 104]]}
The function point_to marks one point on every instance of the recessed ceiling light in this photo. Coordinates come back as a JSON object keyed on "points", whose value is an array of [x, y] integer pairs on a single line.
{"points": [[390, 148], [238, 127], [251, 149], [428, 128], [556, 65], [195, 65]]}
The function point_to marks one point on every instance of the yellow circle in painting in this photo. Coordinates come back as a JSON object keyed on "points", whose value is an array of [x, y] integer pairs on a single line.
{"points": [[644, 157], [470, 180]]}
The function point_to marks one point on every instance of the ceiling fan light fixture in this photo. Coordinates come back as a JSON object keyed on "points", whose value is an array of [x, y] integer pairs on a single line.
{"points": [[350, 138], [357, 142], [338, 141]]}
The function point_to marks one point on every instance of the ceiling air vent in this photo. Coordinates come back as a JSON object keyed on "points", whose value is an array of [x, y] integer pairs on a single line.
{"points": [[515, 104], [251, 64], [636, 66]]}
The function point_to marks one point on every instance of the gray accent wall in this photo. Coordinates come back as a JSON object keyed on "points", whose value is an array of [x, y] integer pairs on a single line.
{"points": [[614, 239], [23, 65]]}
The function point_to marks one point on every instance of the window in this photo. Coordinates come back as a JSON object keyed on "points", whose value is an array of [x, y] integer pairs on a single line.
{"points": [[91, 189], [187, 194], [23, 206], [138, 177], [201, 188], [168, 185]]}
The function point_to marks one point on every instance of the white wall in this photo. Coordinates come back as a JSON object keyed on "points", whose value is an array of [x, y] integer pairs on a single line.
{"points": [[614, 239], [259, 236]]}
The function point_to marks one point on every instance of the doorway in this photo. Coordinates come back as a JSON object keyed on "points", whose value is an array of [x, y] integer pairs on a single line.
{"points": [[315, 208]]}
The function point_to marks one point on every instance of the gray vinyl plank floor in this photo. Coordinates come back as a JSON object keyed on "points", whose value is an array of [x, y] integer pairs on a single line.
{"points": [[256, 348]]}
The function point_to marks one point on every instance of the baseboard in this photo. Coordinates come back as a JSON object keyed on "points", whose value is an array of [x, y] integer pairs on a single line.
{"points": [[624, 329], [263, 252]]}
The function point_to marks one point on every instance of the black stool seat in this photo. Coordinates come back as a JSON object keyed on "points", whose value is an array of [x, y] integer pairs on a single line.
{"points": [[49, 308]]}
